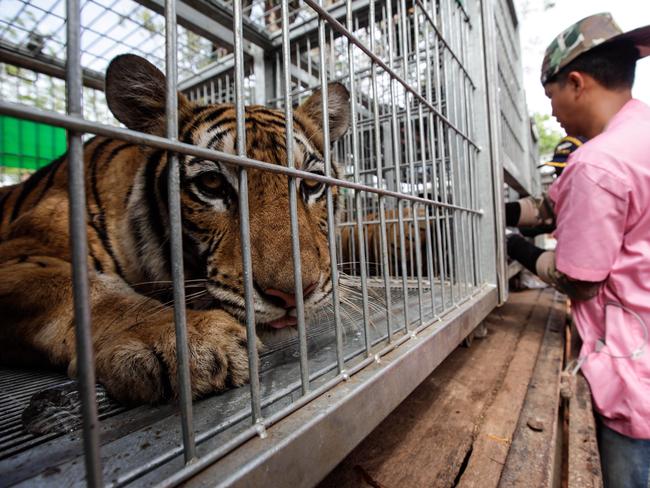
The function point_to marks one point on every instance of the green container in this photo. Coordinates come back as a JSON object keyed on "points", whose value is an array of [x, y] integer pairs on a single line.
{"points": [[28, 145]]}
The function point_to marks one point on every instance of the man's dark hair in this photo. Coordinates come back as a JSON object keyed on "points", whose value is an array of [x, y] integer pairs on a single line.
{"points": [[612, 65]]}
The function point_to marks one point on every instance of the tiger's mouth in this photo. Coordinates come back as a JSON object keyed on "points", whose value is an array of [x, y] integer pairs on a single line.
{"points": [[268, 315], [288, 320]]}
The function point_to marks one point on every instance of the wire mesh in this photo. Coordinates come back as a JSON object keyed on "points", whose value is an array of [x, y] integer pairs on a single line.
{"points": [[108, 29]]}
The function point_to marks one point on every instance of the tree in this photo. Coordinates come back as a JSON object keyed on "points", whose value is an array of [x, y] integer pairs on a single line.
{"points": [[548, 135]]}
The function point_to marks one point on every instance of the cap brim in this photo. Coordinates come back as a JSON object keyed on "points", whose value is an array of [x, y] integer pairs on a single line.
{"points": [[555, 164], [639, 37]]}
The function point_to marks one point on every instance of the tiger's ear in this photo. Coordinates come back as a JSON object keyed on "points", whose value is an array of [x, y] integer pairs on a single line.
{"points": [[135, 92], [338, 109]]}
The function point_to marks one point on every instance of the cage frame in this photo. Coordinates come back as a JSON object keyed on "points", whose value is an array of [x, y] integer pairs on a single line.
{"points": [[406, 359]]}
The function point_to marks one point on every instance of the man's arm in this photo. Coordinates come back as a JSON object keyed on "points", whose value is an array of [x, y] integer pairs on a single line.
{"points": [[530, 212], [533, 216], [542, 263]]}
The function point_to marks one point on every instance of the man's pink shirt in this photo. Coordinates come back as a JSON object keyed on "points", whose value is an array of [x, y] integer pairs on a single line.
{"points": [[602, 203]]}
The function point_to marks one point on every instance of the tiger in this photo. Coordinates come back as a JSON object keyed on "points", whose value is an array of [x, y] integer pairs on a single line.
{"points": [[128, 235]]}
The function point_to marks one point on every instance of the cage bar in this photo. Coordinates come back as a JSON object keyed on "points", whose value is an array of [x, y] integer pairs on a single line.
{"points": [[244, 222], [357, 194], [176, 237], [293, 205], [79, 245], [331, 224]]}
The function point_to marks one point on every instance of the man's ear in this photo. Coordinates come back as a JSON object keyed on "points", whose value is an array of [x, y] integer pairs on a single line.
{"points": [[576, 81], [135, 92], [338, 109]]}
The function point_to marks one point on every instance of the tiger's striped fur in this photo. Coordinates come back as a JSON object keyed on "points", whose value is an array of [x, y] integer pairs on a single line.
{"points": [[128, 237]]}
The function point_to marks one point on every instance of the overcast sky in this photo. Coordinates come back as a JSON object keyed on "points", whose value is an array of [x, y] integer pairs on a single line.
{"points": [[538, 27]]}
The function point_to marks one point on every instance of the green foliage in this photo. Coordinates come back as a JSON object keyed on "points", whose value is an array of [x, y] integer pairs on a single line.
{"points": [[548, 135], [149, 23]]}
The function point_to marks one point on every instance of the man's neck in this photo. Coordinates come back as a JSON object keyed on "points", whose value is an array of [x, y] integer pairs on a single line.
{"points": [[607, 104]]}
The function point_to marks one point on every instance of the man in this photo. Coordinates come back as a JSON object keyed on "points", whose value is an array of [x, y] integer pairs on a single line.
{"points": [[562, 151], [602, 259]]}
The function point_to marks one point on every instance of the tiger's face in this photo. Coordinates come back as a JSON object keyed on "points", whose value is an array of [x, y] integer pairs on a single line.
{"points": [[210, 192]]}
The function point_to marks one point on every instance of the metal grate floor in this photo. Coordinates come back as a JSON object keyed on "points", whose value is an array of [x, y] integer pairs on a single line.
{"points": [[20, 392], [143, 444]]}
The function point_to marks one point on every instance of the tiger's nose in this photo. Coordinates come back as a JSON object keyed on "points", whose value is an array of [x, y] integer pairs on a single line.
{"points": [[288, 298]]}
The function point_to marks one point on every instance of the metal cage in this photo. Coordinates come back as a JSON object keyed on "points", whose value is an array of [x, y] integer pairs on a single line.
{"points": [[437, 110]]}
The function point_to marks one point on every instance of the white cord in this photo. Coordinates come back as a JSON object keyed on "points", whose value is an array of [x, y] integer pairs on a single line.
{"points": [[574, 366], [639, 350]]}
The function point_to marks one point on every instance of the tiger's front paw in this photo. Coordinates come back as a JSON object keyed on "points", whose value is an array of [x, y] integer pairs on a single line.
{"points": [[140, 364]]}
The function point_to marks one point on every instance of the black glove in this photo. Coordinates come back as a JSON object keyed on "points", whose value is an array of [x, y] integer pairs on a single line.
{"points": [[523, 251], [536, 213], [513, 212], [536, 231]]}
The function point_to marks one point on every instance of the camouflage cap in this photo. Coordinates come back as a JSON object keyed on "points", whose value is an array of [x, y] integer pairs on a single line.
{"points": [[586, 34]]}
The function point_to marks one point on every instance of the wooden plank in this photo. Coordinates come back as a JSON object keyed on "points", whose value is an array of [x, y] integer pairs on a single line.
{"points": [[428, 439], [533, 459], [495, 435], [583, 458]]}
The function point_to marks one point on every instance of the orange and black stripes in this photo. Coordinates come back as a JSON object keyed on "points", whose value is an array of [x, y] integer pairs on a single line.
{"points": [[4, 198], [28, 187], [97, 218]]}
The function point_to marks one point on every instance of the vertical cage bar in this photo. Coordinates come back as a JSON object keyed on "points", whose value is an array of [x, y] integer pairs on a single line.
{"points": [[427, 219], [467, 184], [79, 248], [396, 162], [293, 202], [278, 79], [466, 151], [461, 106], [383, 244], [176, 236], [473, 156], [477, 203], [331, 222], [298, 70], [357, 179], [469, 94], [410, 156], [477, 223], [456, 163], [309, 61], [332, 63], [244, 218], [443, 138], [450, 99], [432, 57], [459, 142], [442, 152]]}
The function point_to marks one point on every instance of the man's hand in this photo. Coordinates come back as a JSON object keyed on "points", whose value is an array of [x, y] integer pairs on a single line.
{"points": [[536, 212], [574, 289], [542, 263], [523, 251]]}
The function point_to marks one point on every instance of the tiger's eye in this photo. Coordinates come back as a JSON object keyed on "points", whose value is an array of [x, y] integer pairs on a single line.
{"points": [[312, 184], [209, 183], [311, 187]]}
